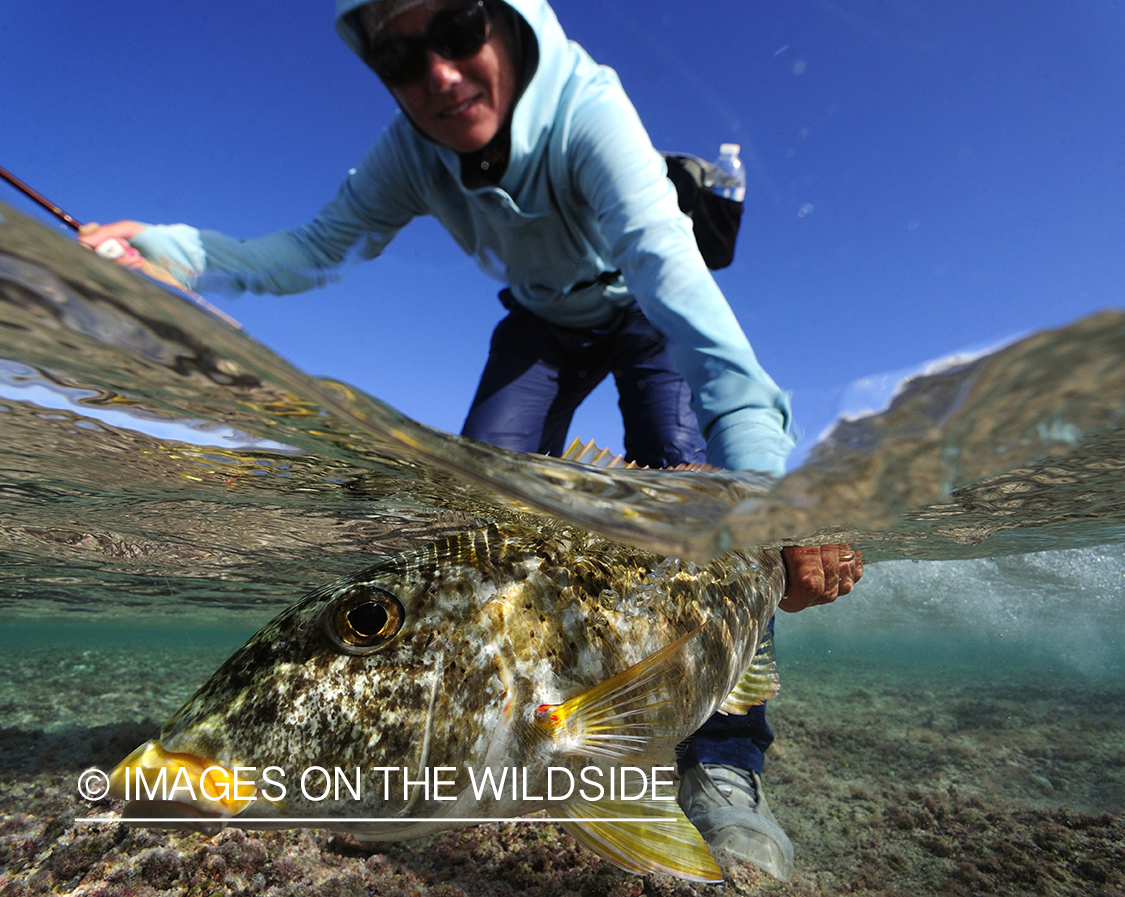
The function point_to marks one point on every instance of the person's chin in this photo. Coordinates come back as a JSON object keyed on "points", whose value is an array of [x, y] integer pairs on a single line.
{"points": [[469, 133], [470, 141]]}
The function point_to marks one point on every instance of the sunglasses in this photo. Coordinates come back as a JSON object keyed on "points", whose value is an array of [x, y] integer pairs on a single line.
{"points": [[455, 32]]}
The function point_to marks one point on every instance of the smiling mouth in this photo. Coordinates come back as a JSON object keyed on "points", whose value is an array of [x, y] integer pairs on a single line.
{"points": [[460, 109]]}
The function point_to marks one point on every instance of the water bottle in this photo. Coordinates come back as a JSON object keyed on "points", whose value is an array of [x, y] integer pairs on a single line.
{"points": [[728, 179]]}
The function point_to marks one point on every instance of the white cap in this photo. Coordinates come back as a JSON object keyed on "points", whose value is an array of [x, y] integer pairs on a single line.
{"points": [[376, 15], [729, 149]]}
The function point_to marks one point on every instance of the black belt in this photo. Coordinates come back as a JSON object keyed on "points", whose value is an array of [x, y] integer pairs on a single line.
{"points": [[605, 279]]}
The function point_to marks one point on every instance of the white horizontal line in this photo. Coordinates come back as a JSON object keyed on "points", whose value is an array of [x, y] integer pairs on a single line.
{"points": [[231, 822]]}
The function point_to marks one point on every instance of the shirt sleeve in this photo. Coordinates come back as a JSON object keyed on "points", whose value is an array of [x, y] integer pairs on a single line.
{"points": [[742, 413], [376, 200]]}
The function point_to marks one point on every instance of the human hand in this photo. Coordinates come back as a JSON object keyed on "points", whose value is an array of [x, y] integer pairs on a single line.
{"points": [[818, 574], [111, 241]]}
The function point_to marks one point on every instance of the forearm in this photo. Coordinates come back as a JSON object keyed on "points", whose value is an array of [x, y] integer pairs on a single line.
{"points": [[373, 203], [742, 413], [751, 438], [279, 263]]}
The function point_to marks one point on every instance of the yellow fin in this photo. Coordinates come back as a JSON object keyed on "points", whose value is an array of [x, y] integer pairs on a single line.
{"points": [[589, 453], [652, 836], [758, 684], [628, 716], [592, 455]]}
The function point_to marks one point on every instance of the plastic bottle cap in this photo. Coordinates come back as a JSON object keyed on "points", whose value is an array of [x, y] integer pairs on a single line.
{"points": [[729, 149]]}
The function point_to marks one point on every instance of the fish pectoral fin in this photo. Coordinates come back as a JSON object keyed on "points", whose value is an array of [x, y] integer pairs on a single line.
{"points": [[758, 684], [631, 715], [643, 836]]}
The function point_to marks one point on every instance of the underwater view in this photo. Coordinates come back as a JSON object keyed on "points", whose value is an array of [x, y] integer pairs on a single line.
{"points": [[954, 726], [216, 511]]}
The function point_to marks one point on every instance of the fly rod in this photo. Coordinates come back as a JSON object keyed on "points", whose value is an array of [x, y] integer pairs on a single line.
{"points": [[114, 248], [40, 198]]}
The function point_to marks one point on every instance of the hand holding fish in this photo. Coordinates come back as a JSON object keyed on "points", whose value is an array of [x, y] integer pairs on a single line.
{"points": [[819, 574]]}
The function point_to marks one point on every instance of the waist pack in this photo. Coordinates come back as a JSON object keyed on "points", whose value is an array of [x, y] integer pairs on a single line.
{"points": [[715, 218]]}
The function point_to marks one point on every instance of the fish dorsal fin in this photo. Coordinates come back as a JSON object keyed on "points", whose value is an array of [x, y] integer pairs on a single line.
{"points": [[628, 715], [758, 684], [589, 453], [652, 835]]}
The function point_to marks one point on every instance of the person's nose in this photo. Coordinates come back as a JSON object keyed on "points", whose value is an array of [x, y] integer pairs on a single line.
{"points": [[441, 73]]}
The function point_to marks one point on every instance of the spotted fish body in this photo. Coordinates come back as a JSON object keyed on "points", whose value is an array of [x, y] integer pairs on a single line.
{"points": [[512, 648]]}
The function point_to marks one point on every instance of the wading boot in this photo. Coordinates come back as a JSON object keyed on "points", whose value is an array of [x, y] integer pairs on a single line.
{"points": [[728, 807]]}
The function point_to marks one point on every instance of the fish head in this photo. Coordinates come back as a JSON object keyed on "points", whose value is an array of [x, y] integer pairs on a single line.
{"points": [[394, 668]]}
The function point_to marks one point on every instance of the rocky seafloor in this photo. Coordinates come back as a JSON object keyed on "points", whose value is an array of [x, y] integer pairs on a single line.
{"points": [[890, 781]]}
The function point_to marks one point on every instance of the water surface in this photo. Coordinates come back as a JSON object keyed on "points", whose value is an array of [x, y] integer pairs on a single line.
{"points": [[983, 652]]}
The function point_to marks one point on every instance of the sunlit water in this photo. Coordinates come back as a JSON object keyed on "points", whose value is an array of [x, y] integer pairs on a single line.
{"points": [[989, 497]]}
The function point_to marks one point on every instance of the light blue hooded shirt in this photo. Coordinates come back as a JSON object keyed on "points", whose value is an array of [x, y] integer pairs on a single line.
{"points": [[584, 193]]}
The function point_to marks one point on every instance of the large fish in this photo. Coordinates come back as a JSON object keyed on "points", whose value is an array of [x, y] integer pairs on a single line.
{"points": [[494, 669]]}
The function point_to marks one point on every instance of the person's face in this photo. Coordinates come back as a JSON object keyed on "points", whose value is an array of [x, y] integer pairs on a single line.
{"points": [[459, 103]]}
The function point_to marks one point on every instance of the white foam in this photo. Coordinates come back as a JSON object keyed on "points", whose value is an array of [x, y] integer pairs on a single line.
{"points": [[1066, 606]]}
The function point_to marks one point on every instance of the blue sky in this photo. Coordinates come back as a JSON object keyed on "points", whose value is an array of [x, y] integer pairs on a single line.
{"points": [[924, 178]]}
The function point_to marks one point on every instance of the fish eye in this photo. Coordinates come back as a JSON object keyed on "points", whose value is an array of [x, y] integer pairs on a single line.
{"points": [[364, 619]]}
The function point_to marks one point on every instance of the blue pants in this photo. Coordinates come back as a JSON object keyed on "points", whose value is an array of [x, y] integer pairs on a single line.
{"points": [[537, 375], [732, 740]]}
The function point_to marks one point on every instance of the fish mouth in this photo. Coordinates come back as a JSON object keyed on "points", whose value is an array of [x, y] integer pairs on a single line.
{"points": [[182, 788]]}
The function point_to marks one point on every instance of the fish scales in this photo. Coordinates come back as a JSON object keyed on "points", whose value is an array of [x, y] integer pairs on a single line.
{"points": [[511, 647]]}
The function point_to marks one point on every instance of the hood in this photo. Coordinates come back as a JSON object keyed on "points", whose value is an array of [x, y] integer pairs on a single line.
{"points": [[346, 25], [554, 59]]}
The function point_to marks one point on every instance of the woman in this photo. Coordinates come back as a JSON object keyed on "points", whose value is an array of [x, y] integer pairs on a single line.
{"points": [[535, 161]]}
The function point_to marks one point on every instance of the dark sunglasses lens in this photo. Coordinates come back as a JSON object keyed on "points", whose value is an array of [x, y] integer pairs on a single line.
{"points": [[456, 32], [459, 32], [399, 60]]}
